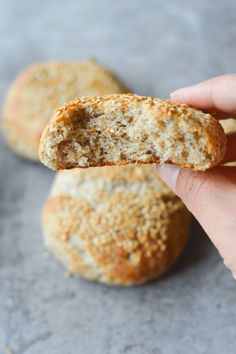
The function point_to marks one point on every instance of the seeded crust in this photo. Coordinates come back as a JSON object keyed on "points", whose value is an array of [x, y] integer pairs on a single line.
{"points": [[116, 225], [123, 129], [40, 89]]}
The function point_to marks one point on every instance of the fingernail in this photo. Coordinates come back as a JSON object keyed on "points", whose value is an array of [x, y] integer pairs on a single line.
{"points": [[234, 275], [169, 174]]}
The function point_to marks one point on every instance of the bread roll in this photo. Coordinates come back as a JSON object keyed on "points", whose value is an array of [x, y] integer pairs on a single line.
{"points": [[40, 89], [117, 225], [125, 128]]}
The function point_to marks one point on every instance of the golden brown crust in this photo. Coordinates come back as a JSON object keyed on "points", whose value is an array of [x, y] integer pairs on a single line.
{"points": [[116, 225], [40, 89], [127, 163], [204, 125]]}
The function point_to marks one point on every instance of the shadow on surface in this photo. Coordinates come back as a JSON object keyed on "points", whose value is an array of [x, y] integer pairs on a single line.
{"points": [[197, 249]]}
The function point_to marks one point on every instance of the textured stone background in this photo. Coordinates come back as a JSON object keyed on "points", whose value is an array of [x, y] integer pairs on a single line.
{"points": [[155, 47]]}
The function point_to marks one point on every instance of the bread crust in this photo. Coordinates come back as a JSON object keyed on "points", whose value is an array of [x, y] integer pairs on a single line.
{"points": [[204, 124], [117, 225], [40, 89]]}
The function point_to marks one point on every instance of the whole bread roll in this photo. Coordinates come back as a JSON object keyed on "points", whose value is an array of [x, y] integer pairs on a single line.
{"points": [[116, 225], [40, 89], [125, 128]]}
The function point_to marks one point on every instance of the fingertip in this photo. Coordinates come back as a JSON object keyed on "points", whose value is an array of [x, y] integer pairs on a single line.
{"points": [[180, 95], [169, 174], [216, 94], [174, 96]]}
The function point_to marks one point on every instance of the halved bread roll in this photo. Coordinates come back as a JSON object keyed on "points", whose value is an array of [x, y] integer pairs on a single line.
{"points": [[121, 129]]}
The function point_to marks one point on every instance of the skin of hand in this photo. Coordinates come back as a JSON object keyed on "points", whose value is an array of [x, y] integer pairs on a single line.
{"points": [[210, 195]]}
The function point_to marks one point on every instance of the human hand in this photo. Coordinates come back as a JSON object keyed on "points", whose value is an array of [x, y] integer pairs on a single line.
{"points": [[210, 195]]}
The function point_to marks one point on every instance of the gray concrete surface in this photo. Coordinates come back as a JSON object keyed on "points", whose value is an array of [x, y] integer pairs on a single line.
{"points": [[155, 47]]}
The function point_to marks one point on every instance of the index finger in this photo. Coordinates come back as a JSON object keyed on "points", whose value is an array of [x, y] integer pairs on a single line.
{"points": [[216, 96]]}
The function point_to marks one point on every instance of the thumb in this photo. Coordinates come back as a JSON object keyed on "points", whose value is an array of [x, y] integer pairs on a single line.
{"points": [[211, 197]]}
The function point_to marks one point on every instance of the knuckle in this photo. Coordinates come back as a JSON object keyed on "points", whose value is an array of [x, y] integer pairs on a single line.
{"points": [[191, 186]]}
